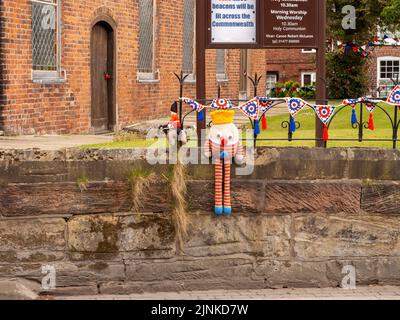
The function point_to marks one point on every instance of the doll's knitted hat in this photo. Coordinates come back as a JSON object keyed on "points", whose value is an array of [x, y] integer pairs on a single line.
{"points": [[222, 116]]}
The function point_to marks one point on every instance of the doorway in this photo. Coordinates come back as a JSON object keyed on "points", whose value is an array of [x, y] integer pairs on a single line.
{"points": [[103, 113]]}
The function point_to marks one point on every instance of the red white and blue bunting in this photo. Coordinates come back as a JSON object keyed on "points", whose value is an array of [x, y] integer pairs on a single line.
{"points": [[256, 108], [193, 104], [394, 98], [251, 109], [222, 104], [325, 113], [295, 105], [265, 104]]}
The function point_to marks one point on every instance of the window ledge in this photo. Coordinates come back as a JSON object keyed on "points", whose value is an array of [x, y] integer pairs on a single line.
{"points": [[48, 77], [49, 81], [223, 80], [148, 77], [149, 81], [190, 81]]}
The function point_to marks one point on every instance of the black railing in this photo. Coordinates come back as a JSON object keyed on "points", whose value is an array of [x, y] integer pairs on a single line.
{"points": [[393, 118]]}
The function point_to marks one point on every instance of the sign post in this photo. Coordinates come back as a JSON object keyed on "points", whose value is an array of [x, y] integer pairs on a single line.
{"points": [[321, 71], [257, 24], [201, 39]]}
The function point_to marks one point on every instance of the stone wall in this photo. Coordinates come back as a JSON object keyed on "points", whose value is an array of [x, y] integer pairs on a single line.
{"points": [[301, 217]]}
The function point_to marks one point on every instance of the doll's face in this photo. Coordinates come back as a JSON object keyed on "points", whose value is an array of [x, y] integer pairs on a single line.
{"points": [[227, 134]]}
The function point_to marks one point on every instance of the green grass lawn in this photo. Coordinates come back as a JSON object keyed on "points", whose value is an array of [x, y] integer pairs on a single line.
{"points": [[134, 143], [340, 129]]}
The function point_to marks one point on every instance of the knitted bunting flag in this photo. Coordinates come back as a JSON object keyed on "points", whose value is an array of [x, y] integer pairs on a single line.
{"points": [[193, 104], [251, 109], [371, 107], [295, 105], [222, 104], [265, 104], [325, 113], [368, 100], [353, 103], [394, 98]]}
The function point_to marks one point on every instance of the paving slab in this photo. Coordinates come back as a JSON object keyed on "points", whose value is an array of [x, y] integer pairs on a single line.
{"points": [[51, 143], [362, 293]]}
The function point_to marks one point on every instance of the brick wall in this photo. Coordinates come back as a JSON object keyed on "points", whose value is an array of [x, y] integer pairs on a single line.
{"points": [[290, 63], [66, 108]]}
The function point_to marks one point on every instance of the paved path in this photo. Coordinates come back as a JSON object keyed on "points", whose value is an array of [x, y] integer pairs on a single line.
{"points": [[362, 293], [51, 143]]}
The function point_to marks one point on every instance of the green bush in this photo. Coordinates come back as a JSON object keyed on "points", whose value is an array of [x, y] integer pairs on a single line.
{"points": [[292, 89]]}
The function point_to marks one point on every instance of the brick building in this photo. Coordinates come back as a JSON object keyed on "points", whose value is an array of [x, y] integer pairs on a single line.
{"points": [[384, 65], [290, 64], [299, 65], [73, 66]]}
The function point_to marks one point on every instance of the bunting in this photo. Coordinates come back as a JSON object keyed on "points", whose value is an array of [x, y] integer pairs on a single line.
{"points": [[265, 104], [295, 105], [222, 104], [256, 109], [251, 109], [352, 102], [394, 98], [371, 107], [193, 104], [325, 113]]}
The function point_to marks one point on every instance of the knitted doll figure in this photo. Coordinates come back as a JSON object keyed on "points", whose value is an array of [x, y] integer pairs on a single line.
{"points": [[223, 144]]}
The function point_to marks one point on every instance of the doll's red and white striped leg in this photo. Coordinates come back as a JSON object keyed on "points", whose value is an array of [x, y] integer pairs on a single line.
{"points": [[219, 206], [227, 190]]}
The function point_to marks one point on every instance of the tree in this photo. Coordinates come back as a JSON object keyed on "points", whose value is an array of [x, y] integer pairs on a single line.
{"points": [[390, 15], [346, 63], [367, 14]]}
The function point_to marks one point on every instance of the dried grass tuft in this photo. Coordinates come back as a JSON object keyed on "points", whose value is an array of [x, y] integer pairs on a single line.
{"points": [[140, 179], [179, 214]]}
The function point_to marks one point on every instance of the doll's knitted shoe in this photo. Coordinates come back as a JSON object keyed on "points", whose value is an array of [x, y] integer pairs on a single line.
{"points": [[219, 210], [227, 211]]}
